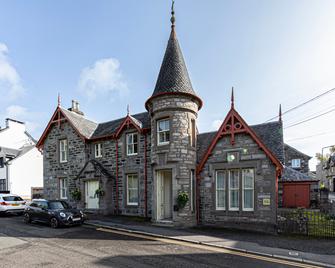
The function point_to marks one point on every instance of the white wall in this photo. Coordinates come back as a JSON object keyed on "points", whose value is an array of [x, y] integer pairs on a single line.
{"points": [[14, 136], [26, 171]]}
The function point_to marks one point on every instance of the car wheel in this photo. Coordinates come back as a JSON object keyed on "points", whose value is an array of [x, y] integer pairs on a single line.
{"points": [[54, 222], [26, 218]]}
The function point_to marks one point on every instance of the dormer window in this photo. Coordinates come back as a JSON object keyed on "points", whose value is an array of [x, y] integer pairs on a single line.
{"points": [[98, 150], [296, 163], [63, 151], [163, 132], [132, 143]]}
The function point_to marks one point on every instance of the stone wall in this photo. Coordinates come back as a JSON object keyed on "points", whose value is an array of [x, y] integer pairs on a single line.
{"points": [[291, 153], [249, 155], [53, 170], [179, 155]]}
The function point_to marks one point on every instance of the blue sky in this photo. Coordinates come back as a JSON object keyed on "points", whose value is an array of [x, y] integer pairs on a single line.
{"points": [[107, 54]]}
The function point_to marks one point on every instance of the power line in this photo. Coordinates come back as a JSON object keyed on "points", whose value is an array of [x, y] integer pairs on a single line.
{"points": [[304, 103], [309, 119], [312, 136]]}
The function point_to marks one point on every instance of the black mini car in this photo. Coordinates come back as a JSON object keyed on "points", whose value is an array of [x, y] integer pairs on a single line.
{"points": [[55, 212]]}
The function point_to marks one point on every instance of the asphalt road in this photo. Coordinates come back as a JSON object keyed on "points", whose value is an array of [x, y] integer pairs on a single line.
{"points": [[37, 245]]}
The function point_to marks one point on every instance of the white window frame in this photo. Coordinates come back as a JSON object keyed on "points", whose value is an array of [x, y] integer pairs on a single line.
{"points": [[296, 163], [63, 148], [244, 188], [137, 188], [220, 189], [132, 144], [63, 185], [163, 131], [234, 189], [98, 150]]}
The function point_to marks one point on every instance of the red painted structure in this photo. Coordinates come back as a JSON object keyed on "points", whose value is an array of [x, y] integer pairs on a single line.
{"points": [[296, 194]]}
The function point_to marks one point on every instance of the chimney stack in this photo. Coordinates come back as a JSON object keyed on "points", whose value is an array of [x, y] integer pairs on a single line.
{"points": [[75, 108]]}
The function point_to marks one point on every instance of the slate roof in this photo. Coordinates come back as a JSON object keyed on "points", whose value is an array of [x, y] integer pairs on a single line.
{"points": [[272, 136], [269, 133], [110, 127], [84, 126], [173, 75], [292, 175]]}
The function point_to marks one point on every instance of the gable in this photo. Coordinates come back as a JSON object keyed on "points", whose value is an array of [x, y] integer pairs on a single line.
{"points": [[233, 125]]}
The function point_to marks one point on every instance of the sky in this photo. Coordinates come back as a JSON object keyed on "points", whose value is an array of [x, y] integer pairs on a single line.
{"points": [[107, 54]]}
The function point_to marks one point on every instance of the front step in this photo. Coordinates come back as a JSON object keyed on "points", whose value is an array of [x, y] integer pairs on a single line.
{"points": [[163, 223]]}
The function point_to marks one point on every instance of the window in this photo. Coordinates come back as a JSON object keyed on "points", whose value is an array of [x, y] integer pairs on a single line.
{"points": [[233, 190], [2, 162], [132, 143], [63, 151], [163, 132], [98, 150], [132, 190], [248, 189], [3, 186], [296, 163], [193, 134], [220, 190], [193, 190], [63, 188]]}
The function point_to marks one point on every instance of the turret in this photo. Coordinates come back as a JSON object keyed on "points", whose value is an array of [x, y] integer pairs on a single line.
{"points": [[174, 108]]}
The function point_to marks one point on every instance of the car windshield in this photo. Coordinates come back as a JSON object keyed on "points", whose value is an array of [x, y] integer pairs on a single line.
{"points": [[12, 198], [58, 205]]}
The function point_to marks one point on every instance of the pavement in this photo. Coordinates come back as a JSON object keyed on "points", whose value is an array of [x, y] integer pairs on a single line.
{"points": [[38, 245], [301, 249]]}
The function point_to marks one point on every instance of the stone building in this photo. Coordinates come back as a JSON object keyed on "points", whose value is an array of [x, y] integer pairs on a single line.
{"points": [[143, 164]]}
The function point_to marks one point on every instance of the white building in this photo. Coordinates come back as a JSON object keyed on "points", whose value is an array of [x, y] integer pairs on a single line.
{"points": [[21, 164]]}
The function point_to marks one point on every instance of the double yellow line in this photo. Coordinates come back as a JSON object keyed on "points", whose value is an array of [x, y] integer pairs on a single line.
{"points": [[209, 248]]}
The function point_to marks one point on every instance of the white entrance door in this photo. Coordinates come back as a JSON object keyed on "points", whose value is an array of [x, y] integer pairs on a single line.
{"points": [[164, 195], [91, 200]]}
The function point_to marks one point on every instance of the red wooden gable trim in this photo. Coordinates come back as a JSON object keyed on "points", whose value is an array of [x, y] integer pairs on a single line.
{"points": [[232, 125], [126, 123], [57, 117]]}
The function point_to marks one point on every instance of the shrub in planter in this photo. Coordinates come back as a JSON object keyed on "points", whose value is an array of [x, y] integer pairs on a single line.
{"points": [[76, 194], [99, 192], [182, 199]]}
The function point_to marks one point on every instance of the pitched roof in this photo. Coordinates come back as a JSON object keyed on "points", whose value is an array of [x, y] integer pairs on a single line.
{"points": [[292, 175], [272, 136], [110, 127], [84, 126], [269, 133]]}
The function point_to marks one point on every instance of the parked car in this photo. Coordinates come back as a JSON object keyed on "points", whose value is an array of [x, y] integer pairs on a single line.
{"points": [[54, 212], [11, 204]]}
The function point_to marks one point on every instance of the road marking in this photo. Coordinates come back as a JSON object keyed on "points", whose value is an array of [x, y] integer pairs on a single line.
{"points": [[210, 248]]}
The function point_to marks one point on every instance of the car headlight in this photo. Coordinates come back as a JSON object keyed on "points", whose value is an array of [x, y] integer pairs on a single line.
{"points": [[81, 212], [62, 214]]}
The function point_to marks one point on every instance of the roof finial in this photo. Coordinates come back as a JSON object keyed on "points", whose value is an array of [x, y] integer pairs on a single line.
{"points": [[173, 19], [280, 113], [128, 109], [58, 100], [232, 97]]}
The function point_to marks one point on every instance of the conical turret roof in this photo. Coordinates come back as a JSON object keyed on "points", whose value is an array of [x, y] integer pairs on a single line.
{"points": [[173, 77]]}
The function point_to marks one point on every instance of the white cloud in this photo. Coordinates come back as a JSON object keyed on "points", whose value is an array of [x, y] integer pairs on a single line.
{"points": [[103, 78], [10, 81], [16, 112], [21, 113]]}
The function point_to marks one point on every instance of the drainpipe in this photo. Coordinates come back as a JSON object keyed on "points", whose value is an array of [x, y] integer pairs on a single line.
{"points": [[198, 197], [145, 177], [117, 176]]}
